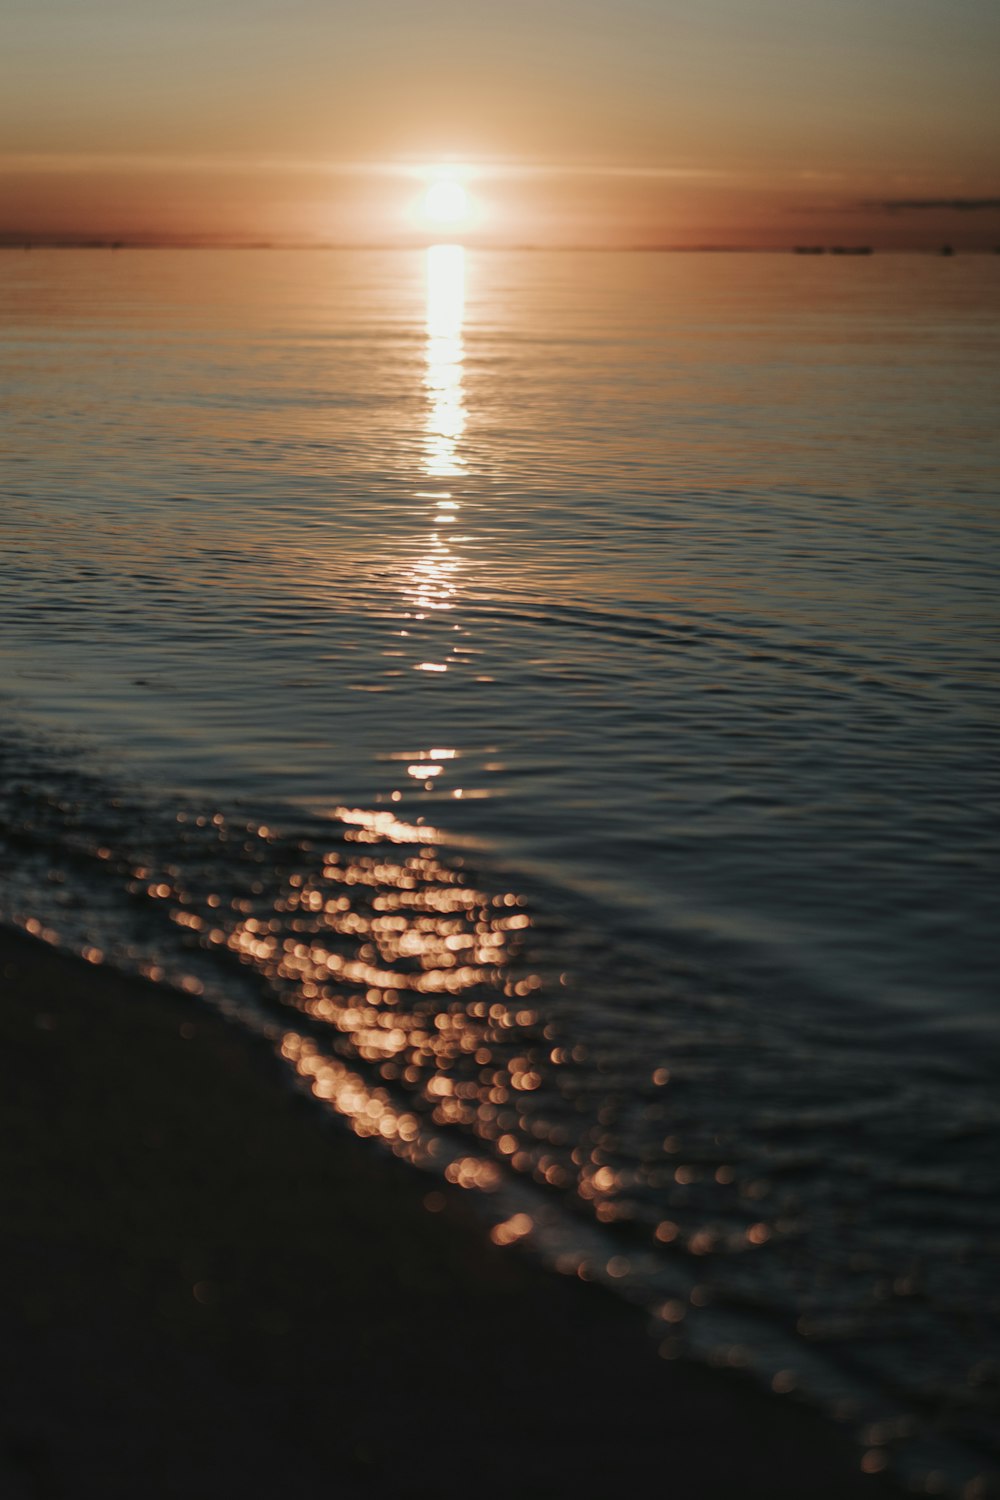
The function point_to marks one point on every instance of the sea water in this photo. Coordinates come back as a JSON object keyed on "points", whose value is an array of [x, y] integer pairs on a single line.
{"points": [[549, 695]]}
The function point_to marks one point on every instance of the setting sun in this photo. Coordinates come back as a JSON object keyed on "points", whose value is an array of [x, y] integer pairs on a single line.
{"points": [[446, 202]]}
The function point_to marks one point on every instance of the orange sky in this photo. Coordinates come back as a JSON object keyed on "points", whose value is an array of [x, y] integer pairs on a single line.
{"points": [[581, 122]]}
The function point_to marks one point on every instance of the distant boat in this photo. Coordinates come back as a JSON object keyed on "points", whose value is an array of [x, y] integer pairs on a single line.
{"points": [[851, 250], [810, 249], [946, 250]]}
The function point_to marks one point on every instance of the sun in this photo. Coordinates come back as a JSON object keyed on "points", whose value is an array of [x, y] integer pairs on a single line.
{"points": [[446, 202]]}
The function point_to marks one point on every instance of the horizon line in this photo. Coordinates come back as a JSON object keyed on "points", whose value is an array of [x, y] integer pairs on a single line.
{"points": [[71, 240]]}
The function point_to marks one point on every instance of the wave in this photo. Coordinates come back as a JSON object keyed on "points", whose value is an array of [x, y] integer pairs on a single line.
{"points": [[765, 1184]]}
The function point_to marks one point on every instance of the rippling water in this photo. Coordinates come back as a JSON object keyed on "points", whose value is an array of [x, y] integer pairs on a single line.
{"points": [[550, 695]]}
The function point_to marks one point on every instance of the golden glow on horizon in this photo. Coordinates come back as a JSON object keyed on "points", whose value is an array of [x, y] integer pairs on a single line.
{"points": [[649, 125], [284, 199]]}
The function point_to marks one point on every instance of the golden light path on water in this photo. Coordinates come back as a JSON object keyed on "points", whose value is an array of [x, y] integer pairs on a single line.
{"points": [[428, 997], [424, 996], [431, 579], [445, 354]]}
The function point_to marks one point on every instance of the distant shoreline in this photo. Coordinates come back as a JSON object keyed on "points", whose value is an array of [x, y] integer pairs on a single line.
{"points": [[933, 249]]}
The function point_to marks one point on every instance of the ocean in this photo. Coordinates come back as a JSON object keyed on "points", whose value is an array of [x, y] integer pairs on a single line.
{"points": [[549, 695]]}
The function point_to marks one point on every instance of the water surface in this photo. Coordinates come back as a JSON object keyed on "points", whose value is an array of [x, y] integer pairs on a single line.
{"points": [[551, 695]]}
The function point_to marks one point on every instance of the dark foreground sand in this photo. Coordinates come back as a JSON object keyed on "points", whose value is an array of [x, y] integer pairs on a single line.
{"points": [[209, 1290]]}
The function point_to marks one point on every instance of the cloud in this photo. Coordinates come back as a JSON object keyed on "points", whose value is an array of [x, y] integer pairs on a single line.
{"points": [[959, 205], [29, 163]]}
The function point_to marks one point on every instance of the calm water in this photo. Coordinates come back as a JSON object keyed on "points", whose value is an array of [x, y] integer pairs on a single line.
{"points": [[550, 695]]}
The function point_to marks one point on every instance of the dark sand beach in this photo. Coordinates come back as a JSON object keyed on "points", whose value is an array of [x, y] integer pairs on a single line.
{"points": [[210, 1289]]}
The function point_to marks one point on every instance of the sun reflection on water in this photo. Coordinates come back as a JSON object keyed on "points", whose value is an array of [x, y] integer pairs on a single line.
{"points": [[445, 353], [431, 577]]}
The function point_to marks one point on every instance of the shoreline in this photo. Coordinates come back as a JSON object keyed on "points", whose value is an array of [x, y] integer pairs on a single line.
{"points": [[214, 1289]]}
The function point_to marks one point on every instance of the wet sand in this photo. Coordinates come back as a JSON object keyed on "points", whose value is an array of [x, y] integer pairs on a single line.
{"points": [[212, 1290]]}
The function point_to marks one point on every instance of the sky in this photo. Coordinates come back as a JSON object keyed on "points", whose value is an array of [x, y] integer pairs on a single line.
{"points": [[571, 122]]}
